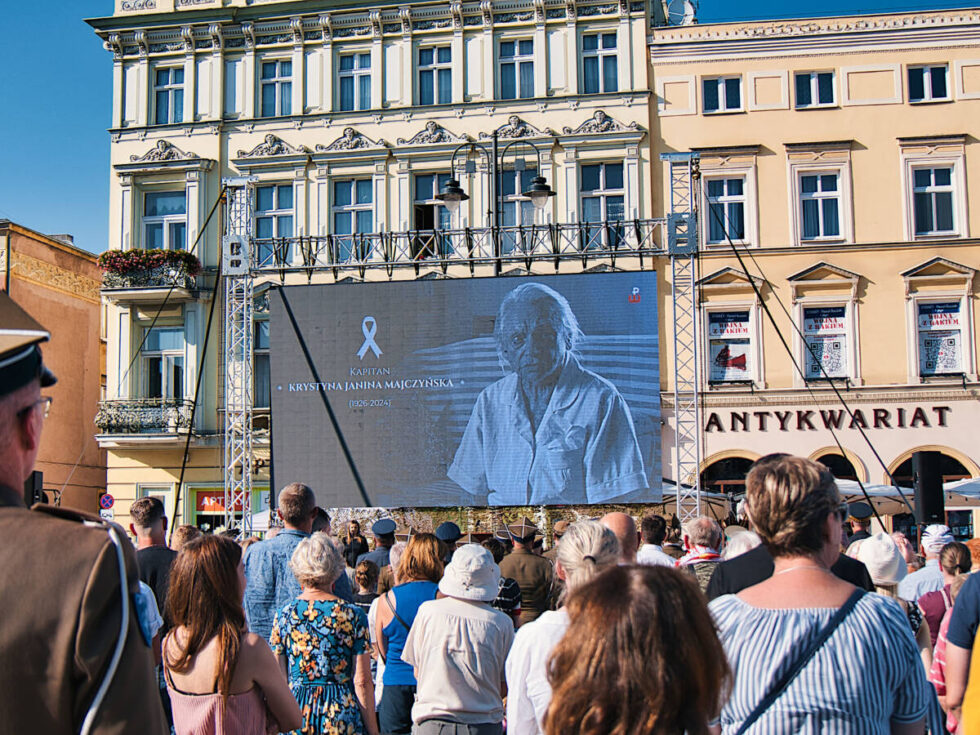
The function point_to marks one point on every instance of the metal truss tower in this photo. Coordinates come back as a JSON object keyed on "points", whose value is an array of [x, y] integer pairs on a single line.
{"points": [[682, 250], [236, 270]]}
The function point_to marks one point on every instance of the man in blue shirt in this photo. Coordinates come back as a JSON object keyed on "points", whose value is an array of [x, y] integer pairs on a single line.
{"points": [[930, 577], [270, 583]]}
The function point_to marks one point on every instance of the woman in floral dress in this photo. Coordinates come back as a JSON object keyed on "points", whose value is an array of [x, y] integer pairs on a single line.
{"points": [[323, 644]]}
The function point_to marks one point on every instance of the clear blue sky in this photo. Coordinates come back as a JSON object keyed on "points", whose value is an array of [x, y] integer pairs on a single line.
{"points": [[55, 105]]}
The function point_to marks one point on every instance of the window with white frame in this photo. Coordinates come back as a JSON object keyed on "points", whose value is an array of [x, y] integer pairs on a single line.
{"points": [[721, 94], [430, 217], [273, 218], [932, 200], [165, 220], [435, 75], [168, 95], [815, 89], [730, 348], [516, 69], [940, 343], [355, 82], [163, 493], [262, 392], [162, 359], [600, 61], [820, 205], [353, 218], [603, 203], [726, 209], [276, 88], [826, 338], [517, 210], [928, 83]]}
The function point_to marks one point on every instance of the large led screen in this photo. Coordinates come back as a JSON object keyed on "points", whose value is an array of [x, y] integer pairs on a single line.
{"points": [[492, 391]]}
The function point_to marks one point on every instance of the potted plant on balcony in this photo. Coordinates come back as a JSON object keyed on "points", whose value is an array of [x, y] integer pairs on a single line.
{"points": [[148, 268]]}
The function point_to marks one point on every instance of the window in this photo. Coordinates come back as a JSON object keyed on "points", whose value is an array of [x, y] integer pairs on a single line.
{"points": [[517, 208], [721, 94], [729, 346], [165, 220], [273, 218], [820, 206], [277, 88], [940, 337], [162, 358], [355, 82], [262, 395], [825, 331], [726, 209], [602, 202], [928, 83], [352, 217], [932, 200], [815, 89], [430, 217], [599, 63], [168, 95], [435, 75], [516, 69]]}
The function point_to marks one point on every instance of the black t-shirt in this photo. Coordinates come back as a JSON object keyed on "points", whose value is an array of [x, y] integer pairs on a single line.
{"points": [[754, 566], [155, 563]]}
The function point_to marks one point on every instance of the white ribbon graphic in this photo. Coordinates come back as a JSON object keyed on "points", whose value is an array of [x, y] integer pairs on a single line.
{"points": [[369, 328]]}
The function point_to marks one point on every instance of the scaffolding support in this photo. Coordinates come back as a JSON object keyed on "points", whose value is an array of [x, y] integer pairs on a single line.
{"points": [[236, 270], [682, 249]]}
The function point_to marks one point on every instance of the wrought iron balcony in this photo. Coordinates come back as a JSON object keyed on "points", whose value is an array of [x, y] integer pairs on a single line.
{"points": [[144, 416], [165, 276], [469, 246]]}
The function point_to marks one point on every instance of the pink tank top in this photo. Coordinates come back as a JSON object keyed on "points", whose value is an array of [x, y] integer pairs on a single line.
{"points": [[203, 714]]}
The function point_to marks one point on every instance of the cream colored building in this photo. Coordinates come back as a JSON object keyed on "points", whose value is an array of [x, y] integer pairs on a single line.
{"points": [[347, 118], [837, 154]]}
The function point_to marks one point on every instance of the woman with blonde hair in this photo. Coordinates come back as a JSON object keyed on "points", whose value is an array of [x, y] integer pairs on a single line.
{"points": [[419, 571], [803, 627], [586, 548], [640, 657], [322, 643], [221, 678]]}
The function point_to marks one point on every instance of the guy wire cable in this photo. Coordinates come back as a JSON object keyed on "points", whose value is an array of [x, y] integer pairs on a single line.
{"points": [[799, 369]]}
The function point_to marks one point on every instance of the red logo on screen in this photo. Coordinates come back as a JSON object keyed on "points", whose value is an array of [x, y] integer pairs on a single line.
{"points": [[724, 359], [634, 297]]}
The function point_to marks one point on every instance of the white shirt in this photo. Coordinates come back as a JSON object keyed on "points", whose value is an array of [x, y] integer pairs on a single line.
{"points": [[654, 556], [380, 663], [528, 690], [458, 649], [584, 450]]}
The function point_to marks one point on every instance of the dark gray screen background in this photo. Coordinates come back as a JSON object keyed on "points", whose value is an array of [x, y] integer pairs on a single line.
{"points": [[440, 330]]}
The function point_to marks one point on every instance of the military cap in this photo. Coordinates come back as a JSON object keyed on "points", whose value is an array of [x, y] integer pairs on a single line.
{"points": [[20, 351], [404, 534], [467, 538], [384, 527], [560, 527], [502, 534], [448, 532], [523, 531], [860, 511]]}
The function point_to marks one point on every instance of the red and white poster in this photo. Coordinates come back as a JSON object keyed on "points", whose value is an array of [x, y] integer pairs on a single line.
{"points": [[940, 350], [825, 330], [729, 346]]}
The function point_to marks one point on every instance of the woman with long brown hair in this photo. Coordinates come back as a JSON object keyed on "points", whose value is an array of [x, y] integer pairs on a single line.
{"points": [[640, 657], [221, 678]]}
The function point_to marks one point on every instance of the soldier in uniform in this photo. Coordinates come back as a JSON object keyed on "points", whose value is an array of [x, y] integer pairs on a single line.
{"points": [[558, 530], [77, 658], [860, 520], [533, 573]]}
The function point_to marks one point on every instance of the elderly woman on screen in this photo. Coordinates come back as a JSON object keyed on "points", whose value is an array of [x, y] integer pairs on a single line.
{"points": [[322, 643], [810, 652]]}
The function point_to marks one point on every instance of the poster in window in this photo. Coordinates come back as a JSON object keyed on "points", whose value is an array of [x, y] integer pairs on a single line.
{"points": [[939, 326], [825, 331], [729, 346]]}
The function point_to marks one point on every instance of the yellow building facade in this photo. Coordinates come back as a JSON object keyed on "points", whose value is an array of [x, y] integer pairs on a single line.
{"points": [[838, 242]]}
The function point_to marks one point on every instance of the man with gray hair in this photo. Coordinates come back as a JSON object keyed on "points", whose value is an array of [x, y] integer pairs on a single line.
{"points": [[270, 583], [549, 431], [930, 577], [703, 537]]}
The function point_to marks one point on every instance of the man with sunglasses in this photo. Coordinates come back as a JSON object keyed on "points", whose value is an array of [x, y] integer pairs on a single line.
{"points": [[76, 658]]}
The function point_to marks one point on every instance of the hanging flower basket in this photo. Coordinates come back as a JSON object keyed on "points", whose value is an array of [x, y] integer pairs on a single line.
{"points": [[148, 268]]}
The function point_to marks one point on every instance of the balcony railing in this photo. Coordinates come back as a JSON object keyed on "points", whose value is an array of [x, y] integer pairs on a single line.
{"points": [[468, 246], [144, 416], [159, 277]]}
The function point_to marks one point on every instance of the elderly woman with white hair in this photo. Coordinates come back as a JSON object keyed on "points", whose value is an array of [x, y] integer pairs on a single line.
{"points": [[586, 548], [323, 645]]}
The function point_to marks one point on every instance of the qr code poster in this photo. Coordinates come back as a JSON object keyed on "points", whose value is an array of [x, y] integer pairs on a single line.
{"points": [[939, 353], [828, 352]]}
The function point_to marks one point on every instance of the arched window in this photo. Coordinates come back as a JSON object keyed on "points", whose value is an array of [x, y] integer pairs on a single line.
{"points": [[950, 467], [839, 466], [726, 475]]}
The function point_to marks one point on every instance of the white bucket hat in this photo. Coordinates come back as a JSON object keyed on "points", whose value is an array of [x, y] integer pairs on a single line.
{"points": [[881, 555], [471, 575]]}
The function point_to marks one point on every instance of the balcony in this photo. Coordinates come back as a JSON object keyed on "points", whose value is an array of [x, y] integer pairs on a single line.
{"points": [[135, 276], [142, 420]]}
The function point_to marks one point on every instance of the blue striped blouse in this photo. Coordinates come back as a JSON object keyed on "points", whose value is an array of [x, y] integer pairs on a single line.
{"points": [[865, 676]]}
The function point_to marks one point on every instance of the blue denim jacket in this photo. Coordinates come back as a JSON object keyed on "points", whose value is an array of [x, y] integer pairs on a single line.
{"points": [[270, 583]]}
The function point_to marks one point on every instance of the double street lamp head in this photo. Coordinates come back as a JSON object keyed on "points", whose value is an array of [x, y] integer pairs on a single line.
{"points": [[452, 194]]}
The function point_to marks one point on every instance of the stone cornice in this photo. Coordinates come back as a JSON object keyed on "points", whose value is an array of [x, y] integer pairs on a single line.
{"points": [[800, 397]]}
